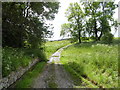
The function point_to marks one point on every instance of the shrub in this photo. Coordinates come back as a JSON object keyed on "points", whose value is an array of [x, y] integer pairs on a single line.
{"points": [[74, 39], [84, 38], [107, 38], [93, 38]]}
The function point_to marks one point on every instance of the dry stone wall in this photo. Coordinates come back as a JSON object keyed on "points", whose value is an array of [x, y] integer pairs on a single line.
{"points": [[14, 76]]}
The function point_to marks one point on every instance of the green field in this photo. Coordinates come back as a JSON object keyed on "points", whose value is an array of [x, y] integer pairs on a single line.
{"points": [[95, 64], [52, 46]]}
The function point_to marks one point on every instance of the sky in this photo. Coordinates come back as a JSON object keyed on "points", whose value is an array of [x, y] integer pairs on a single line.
{"points": [[61, 19]]}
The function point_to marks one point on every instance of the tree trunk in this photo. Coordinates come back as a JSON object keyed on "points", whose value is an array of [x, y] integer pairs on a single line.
{"points": [[79, 37], [103, 5], [95, 28]]}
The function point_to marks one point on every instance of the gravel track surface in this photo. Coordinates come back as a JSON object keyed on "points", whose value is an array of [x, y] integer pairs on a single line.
{"points": [[54, 75]]}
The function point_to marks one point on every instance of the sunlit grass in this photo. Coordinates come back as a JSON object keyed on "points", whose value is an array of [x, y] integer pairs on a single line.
{"points": [[98, 62], [52, 46]]}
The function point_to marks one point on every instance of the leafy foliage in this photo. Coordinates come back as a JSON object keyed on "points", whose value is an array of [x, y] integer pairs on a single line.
{"points": [[107, 38], [12, 59], [100, 15], [96, 20], [24, 29], [65, 29], [25, 22], [75, 17]]}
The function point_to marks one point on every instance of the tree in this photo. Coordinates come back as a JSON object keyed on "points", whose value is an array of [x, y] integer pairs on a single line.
{"points": [[66, 29], [75, 17], [100, 14], [92, 12], [107, 12], [107, 38], [25, 22]]}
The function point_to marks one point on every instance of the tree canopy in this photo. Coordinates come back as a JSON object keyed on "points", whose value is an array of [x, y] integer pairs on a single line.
{"points": [[93, 19], [23, 23], [75, 16]]}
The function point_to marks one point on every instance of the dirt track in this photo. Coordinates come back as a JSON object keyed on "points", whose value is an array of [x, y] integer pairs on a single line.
{"points": [[54, 75]]}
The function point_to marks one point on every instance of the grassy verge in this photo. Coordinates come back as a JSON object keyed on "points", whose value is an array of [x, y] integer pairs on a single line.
{"points": [[52, 46], [28, 78], [13, 58], [95, 62]]}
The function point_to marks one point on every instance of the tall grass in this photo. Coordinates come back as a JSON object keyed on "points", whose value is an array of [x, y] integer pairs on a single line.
{"points": [[96, 62], [13, 58]]}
